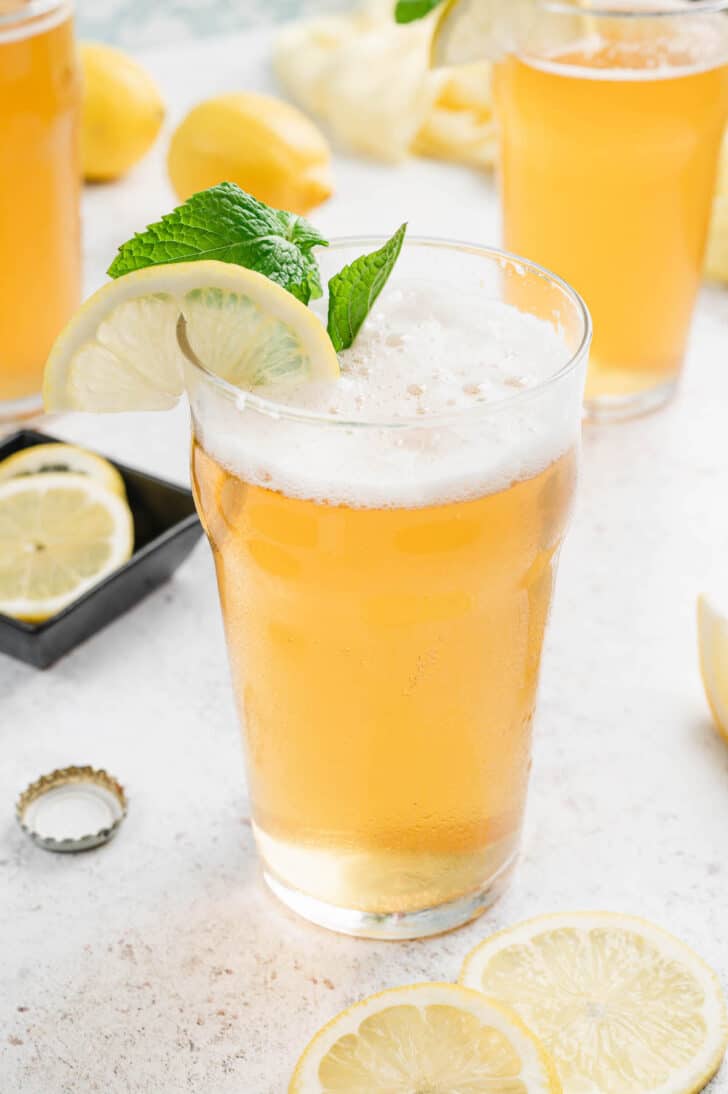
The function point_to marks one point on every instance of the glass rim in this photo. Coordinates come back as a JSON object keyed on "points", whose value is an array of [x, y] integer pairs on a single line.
{"points": [[32, 15], [631, 10], [248, 400]]}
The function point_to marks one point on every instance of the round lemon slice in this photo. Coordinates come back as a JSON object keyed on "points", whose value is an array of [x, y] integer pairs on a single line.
{"points": [[60, 534], [120, 350], [621, 1005], [438, 1038], [43, 459], [713, 644]]}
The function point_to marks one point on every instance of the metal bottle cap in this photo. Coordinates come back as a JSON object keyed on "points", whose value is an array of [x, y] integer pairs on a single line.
{"points": [[72, 809]]}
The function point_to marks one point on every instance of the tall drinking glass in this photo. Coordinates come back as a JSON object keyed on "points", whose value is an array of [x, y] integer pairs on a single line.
{"points": [[385, 580], [40, 250], [611, 122]]}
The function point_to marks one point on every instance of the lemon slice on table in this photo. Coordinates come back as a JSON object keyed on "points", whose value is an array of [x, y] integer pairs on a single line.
{"points": [[486, 30], [438, 1038], [120, 352], [622, 1006], [713, 643], [60, 534], [43, 459]]}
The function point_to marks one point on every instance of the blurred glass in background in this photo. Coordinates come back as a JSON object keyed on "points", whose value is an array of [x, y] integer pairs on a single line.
{"points": [[40, 246]]}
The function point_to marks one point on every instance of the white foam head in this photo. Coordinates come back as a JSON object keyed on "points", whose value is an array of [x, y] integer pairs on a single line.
{"points": [[444, 396], [635, 40]]}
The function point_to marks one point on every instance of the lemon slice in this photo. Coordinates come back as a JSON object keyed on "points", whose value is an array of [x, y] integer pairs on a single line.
{"points": [[120, 351], [487, 30], [713, 643], [622, 1006], [479, 30], [438, 1038], [59, 535], [43, 459]]}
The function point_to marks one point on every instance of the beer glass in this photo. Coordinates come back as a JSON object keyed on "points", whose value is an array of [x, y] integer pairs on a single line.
{"points": [[611, 119], [385, 585], [40, 169]]}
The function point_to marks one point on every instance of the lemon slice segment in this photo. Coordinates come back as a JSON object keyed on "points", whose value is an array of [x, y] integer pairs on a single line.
{"points": [[478, 30], [713, 644], [621, 1005], [486, 30], [438, 1038], [60, 534], [43, 459], [120, 350]]}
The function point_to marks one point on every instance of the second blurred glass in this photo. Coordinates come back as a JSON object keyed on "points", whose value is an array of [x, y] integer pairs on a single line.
{"points": [[39, 193], [611, 127]]}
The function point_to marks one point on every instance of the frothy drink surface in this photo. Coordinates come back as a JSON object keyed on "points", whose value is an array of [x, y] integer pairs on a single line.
{"points": [[426, 410]]}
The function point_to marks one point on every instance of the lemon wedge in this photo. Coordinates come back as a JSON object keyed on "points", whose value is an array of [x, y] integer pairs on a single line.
{"points": [[43, 459], [438, 1038], [621, 1005], [120, 351], [60, 534], [713, 644]]}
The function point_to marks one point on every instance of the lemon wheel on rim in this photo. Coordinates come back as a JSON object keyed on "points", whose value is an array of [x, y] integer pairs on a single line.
{"points": [[120, 351]]}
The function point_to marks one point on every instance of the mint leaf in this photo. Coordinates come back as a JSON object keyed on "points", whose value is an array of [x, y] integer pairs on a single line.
{"points": [[354, 289], [229, 225], [406, 11], [314, 277]]}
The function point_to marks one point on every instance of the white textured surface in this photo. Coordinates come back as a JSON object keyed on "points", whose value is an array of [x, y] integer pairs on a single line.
{"points": [[158, 964]]}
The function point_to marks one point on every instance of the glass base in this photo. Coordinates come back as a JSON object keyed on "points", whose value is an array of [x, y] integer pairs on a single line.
{"points": [[620, 408], [15, 410], [394, 926]]}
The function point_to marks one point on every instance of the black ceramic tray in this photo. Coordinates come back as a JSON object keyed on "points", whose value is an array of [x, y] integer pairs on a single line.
{"points": [[166, 529]]}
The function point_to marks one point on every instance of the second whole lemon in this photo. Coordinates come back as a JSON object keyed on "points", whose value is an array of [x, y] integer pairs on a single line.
{"points": [[122, 112], [263, 144]]}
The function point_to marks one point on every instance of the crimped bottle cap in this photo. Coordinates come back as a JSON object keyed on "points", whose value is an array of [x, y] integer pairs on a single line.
{"points": [[72, 809]]}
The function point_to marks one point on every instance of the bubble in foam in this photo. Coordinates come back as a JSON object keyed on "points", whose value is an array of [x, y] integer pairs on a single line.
{"points": [[426, 367]]}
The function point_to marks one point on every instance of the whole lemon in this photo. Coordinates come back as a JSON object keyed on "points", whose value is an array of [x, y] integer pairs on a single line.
{"points": [[122, 112], [263, 144]]}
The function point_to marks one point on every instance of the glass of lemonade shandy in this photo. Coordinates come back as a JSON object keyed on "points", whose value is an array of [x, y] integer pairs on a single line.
{"points": [[40, 182], [386, 546], [611, 123]]}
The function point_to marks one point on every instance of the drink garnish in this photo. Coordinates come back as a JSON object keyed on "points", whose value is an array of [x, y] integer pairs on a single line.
{"points": [[227, 224], [353, 291], [407, 11]]}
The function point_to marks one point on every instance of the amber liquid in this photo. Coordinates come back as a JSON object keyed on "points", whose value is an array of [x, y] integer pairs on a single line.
{"points": [[39, 202], [607, 179], [385, 664]]}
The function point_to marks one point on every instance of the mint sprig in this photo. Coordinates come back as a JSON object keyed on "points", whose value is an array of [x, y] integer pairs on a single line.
{"points": [[354, 289], [226, 224], [406, 11]]}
